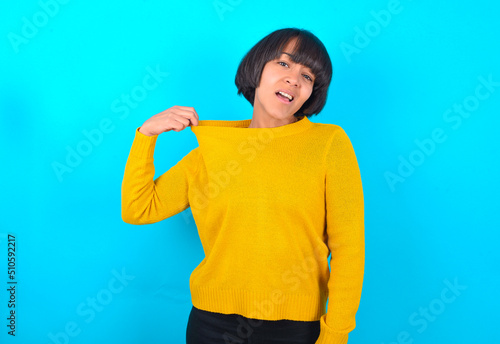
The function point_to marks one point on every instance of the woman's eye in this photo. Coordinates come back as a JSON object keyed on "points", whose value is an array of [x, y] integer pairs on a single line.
{"points": [[284, 64]]}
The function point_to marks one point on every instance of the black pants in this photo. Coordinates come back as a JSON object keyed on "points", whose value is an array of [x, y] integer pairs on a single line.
{"points": [[214, 328]]}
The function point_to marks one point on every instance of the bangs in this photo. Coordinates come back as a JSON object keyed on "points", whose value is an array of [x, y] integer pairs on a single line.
{"points": [[307, 53]]}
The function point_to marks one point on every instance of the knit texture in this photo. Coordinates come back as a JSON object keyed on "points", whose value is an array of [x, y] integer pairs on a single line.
{"points": [[270, 205]]}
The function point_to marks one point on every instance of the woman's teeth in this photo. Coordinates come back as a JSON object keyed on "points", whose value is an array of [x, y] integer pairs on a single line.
{"points": [[290, 98]]}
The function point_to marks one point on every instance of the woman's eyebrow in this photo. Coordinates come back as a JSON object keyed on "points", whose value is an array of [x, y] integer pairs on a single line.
{"points": [[291, 58]]}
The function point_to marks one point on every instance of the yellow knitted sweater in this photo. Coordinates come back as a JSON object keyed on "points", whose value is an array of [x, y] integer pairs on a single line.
{"points": [[270, 205]]}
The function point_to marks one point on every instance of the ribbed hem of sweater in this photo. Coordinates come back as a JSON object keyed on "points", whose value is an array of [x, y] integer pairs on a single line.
{"points": [[328, 336], [260, 305], [144, 146]]}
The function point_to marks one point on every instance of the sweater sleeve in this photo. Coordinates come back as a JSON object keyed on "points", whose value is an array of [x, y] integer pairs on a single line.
{"points": [[345, 229], [144, 200]]}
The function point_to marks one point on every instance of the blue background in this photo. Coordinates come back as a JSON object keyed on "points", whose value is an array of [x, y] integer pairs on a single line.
{"points": [[431, 208]]}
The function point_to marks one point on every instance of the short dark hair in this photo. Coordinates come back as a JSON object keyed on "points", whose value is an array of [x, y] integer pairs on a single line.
{"points": [[309, 51]]}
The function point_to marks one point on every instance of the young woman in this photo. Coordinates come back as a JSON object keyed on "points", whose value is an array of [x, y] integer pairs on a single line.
{"points": [[272, 197]]}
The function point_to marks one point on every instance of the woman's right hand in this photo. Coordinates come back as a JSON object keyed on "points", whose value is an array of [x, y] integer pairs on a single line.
{"points": [[176, 118]]}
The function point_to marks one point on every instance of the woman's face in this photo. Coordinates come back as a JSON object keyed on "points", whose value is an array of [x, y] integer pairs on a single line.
{"points": [[286, 76]]}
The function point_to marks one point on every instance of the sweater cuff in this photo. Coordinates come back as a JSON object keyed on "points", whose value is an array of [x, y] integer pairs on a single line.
{"points": [[143, 145], [329, 336]]}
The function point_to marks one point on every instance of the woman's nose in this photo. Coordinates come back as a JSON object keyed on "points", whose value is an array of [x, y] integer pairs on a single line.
{"points": [[292, 79]]}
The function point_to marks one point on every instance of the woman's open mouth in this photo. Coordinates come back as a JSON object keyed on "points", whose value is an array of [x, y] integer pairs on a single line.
{"points": [[284, 97]]}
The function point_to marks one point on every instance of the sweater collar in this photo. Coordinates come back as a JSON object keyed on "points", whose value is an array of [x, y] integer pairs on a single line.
{"points": [[239, 128]]}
